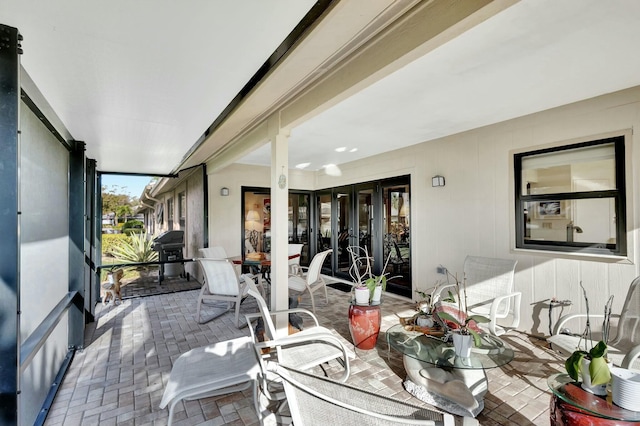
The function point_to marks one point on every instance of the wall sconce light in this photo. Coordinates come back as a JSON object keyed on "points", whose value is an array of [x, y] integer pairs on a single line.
{"points": [[224, 191], [437, 181]]}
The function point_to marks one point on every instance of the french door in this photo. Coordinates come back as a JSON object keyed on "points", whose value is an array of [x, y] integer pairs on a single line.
{"points": [[375, 216]]}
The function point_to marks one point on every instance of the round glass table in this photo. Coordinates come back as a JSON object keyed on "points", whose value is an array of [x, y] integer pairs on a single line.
{"points": [[437, 376], [572, 405]]}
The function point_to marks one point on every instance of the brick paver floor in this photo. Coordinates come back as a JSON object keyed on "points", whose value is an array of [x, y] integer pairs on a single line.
{"points": [[119, 377]]}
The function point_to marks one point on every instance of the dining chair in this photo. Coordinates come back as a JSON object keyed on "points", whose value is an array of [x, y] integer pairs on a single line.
{"points": [[311, 279], [215, 252], [222, 283], [294, 264]]}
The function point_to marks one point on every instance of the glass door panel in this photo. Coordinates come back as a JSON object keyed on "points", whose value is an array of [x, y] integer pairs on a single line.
{"points": [[397, 242], [345, 230], [324, 217], [299, 227]]}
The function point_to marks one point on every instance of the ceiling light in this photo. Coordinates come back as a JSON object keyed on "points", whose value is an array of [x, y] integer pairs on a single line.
{"points": [[353, 149], [341, 149], [302, 165]]}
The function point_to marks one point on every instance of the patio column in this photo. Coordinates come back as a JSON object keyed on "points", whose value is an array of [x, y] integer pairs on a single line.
{"points": [[279, 226]]}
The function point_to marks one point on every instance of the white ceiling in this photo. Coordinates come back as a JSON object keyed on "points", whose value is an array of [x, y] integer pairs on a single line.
{"points": [[535, 55], [140, 81]]}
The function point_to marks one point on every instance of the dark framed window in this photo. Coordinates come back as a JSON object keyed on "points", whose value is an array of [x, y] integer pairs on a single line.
{"points": [[572, 198], [170, 213], [182, 209]]}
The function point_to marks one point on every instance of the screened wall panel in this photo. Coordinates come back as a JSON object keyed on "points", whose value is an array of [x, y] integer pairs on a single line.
{"points": [[44, 254]]}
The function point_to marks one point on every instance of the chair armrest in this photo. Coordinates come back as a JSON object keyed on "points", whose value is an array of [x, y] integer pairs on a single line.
{"points": [[630, 358], [517, 296], [297, 339], [249, 317], [566, 318], [297, 310]]}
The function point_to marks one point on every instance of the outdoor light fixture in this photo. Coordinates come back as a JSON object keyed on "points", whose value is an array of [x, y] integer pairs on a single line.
{"points": [[437, 181], [224, 191], [282, 180]]}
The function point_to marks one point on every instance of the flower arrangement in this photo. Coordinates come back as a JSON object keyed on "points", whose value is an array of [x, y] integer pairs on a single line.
{"points": [[598, 369]]}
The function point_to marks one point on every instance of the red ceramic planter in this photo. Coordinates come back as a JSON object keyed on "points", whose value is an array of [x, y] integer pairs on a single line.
{"points": [[364, 325]]}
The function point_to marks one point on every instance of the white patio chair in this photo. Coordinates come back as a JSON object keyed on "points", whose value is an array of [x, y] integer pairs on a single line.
{"points": [[215, 252], [321, 345], [222, 283], [294, 264], [314, 400], [624, 349], [311, 280], [216, 369], [489, 288]]}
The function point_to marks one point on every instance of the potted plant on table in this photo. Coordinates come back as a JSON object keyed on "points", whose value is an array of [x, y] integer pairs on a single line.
{"points": [[464, 327], [591, 364], [424, 308]]}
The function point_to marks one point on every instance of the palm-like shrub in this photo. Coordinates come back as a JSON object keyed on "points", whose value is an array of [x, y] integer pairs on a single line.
{"points": [[136, 249]]}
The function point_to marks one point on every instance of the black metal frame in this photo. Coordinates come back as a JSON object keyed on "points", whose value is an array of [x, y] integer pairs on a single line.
{"points": [[9, 224], [618, 194]]}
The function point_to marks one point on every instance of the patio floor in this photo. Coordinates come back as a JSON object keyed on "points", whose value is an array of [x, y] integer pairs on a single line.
{"points": [[119, 378]]}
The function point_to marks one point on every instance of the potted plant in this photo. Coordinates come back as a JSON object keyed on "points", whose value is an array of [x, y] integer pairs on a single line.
{"points": [[463, 326], [591, 364], [424, 308], [367, 286]]}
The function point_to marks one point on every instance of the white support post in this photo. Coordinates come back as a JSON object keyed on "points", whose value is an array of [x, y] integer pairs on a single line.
{"points": [[279, 226]]}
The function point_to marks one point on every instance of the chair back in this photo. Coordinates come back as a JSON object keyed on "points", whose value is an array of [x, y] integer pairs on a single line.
{"points": [[487, 278], [628, 331], [315, 400], [221, 277], [295, 262], [313, 273], [215, 252]]}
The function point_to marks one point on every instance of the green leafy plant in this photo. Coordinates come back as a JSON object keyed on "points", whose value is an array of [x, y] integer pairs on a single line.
{"points": [[598, 369], [111, 241], [138, 248]]}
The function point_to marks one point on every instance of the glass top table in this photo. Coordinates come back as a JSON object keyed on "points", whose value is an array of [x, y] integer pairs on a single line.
{"points": [[439, 377], [492, 352], [569, 391]]}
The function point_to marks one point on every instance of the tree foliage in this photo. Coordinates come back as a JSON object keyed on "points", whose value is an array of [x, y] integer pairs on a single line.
{"points": [[116, 202]]}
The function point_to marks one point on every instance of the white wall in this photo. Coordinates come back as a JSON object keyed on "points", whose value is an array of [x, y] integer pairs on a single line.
{"points": [[474, 213]]}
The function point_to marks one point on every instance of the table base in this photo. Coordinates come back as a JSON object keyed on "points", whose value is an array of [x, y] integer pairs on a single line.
{"points": [[458, 391]]}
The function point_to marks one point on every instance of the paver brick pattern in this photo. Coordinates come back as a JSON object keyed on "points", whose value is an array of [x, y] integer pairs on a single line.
{"points": [[120, 375]]}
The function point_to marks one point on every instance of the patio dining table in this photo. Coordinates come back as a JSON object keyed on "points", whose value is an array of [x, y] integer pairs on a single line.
{"points": [[259, 260]]}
